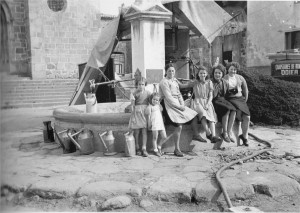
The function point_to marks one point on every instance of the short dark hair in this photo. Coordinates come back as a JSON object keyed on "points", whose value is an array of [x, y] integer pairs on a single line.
{"points": [[234, 64], [219, 67], [201, 67], [140, 80], [168, 66]]}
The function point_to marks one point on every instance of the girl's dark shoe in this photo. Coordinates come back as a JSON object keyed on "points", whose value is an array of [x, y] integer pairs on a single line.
{"points": [[145, 153], [198, 138], [215, 139], [157, 154], [209, 137], [226, 138], [138, 152], [245, 141], [178, 153]]}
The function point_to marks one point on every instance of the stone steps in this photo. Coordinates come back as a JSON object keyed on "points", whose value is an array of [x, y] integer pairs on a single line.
{"points": [[25, 93]]}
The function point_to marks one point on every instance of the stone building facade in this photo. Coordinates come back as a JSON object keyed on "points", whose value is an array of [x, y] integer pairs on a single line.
{"points": [[47, 39], [269, 23], [15, 37]]}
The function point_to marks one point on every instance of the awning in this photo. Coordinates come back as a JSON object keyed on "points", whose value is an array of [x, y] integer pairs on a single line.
{"points": [[104, 45], [98, 59], [205, 18]]}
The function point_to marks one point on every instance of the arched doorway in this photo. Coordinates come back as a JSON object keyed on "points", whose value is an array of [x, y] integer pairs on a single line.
{"points": [[5, 41]]}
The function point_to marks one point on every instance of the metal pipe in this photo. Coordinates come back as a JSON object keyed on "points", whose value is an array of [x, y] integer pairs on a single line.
{"points": [[113, 82], [218, 174]]}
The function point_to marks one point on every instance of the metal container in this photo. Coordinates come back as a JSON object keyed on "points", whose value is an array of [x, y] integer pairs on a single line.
{"points": [[85, 141], [91, 102], [108, 140], [129, 144], [67, 145], [48, 132]]}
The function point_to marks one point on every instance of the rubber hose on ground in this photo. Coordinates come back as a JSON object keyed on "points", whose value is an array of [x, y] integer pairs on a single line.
{"points": [[218, 174]]}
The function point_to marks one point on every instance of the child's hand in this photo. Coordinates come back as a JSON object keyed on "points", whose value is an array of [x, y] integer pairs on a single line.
{"points": [[182, 108]]}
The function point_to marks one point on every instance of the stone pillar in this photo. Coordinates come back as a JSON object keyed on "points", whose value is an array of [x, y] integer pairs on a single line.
{"points": [[148, 38]]}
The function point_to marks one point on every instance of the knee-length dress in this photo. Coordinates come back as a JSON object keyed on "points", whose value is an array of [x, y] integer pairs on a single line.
{"points": [[155, 117], [138, 119], [239, 100], [201, 91], [219, 101], [170, 93]]}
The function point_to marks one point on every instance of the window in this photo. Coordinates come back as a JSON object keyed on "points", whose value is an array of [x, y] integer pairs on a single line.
{"points": [[227, 56], [292, 40], [57, 5]]}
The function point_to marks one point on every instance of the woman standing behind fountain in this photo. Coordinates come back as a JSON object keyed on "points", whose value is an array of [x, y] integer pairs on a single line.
{"points": [[176, 113], [138, 122]]}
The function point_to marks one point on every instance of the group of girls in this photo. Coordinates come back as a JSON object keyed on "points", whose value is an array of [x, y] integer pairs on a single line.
{"points": [[221, 99], [146, 114]]}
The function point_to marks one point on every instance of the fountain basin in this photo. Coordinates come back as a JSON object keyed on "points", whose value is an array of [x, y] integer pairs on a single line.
{"points": [[112, 116]]}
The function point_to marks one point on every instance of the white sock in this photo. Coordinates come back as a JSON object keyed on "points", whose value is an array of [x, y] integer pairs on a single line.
{"points": [[155, 150]]}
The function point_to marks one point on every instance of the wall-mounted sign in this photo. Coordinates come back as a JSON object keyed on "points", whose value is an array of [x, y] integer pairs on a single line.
{"points": [[285, 68]]}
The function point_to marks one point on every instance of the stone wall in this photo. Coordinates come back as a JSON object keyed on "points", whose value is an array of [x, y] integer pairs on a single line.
{"points": [[18, 33], [200, 51], [267, 23], [61, 40]]}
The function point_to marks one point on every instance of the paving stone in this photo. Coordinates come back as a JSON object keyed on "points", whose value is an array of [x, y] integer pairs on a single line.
{"points": [[188, 169], [64, 168], [272, 184], [196, 176], [207, 190], [145, 203], [237, 189], [106, 189], [171, 188], [59, 186], [18, 183], [116, 203], [204, 164], [101, 168], [138, 163]]}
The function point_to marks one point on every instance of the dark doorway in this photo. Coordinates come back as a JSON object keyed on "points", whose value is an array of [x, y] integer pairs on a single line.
{"points": [[4, 56], [227, 56], [105, 93]]}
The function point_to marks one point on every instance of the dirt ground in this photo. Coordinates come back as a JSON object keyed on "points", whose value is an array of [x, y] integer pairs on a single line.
{"points": [[19, 202]]}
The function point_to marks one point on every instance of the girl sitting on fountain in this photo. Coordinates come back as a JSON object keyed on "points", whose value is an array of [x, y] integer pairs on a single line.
{"points": [[156, 123], [138, 122]]}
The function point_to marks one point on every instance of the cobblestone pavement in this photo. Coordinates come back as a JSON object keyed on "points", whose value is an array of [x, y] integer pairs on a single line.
{"points": [[41, 169]]}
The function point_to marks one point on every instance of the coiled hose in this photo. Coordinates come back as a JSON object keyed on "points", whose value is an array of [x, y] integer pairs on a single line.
{"points": [[218, 174]]}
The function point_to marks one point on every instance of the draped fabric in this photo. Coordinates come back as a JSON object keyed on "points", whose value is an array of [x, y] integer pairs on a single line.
{"points": [[205, 18]]}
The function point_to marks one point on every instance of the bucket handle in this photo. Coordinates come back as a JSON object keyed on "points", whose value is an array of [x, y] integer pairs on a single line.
{"points": [[73, 140], [59, 140], [101, 135]]}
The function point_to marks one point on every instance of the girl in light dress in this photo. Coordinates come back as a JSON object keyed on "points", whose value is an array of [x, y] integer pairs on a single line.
{"points": [[156, 123], [138, 122], [203, 91]]}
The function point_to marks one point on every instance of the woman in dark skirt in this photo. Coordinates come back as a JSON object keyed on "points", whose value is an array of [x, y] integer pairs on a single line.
{"points": [[224, 109], [238, 96]]}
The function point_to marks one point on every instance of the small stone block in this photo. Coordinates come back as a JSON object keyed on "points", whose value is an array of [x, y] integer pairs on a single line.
{"points": [[244, 209]]}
